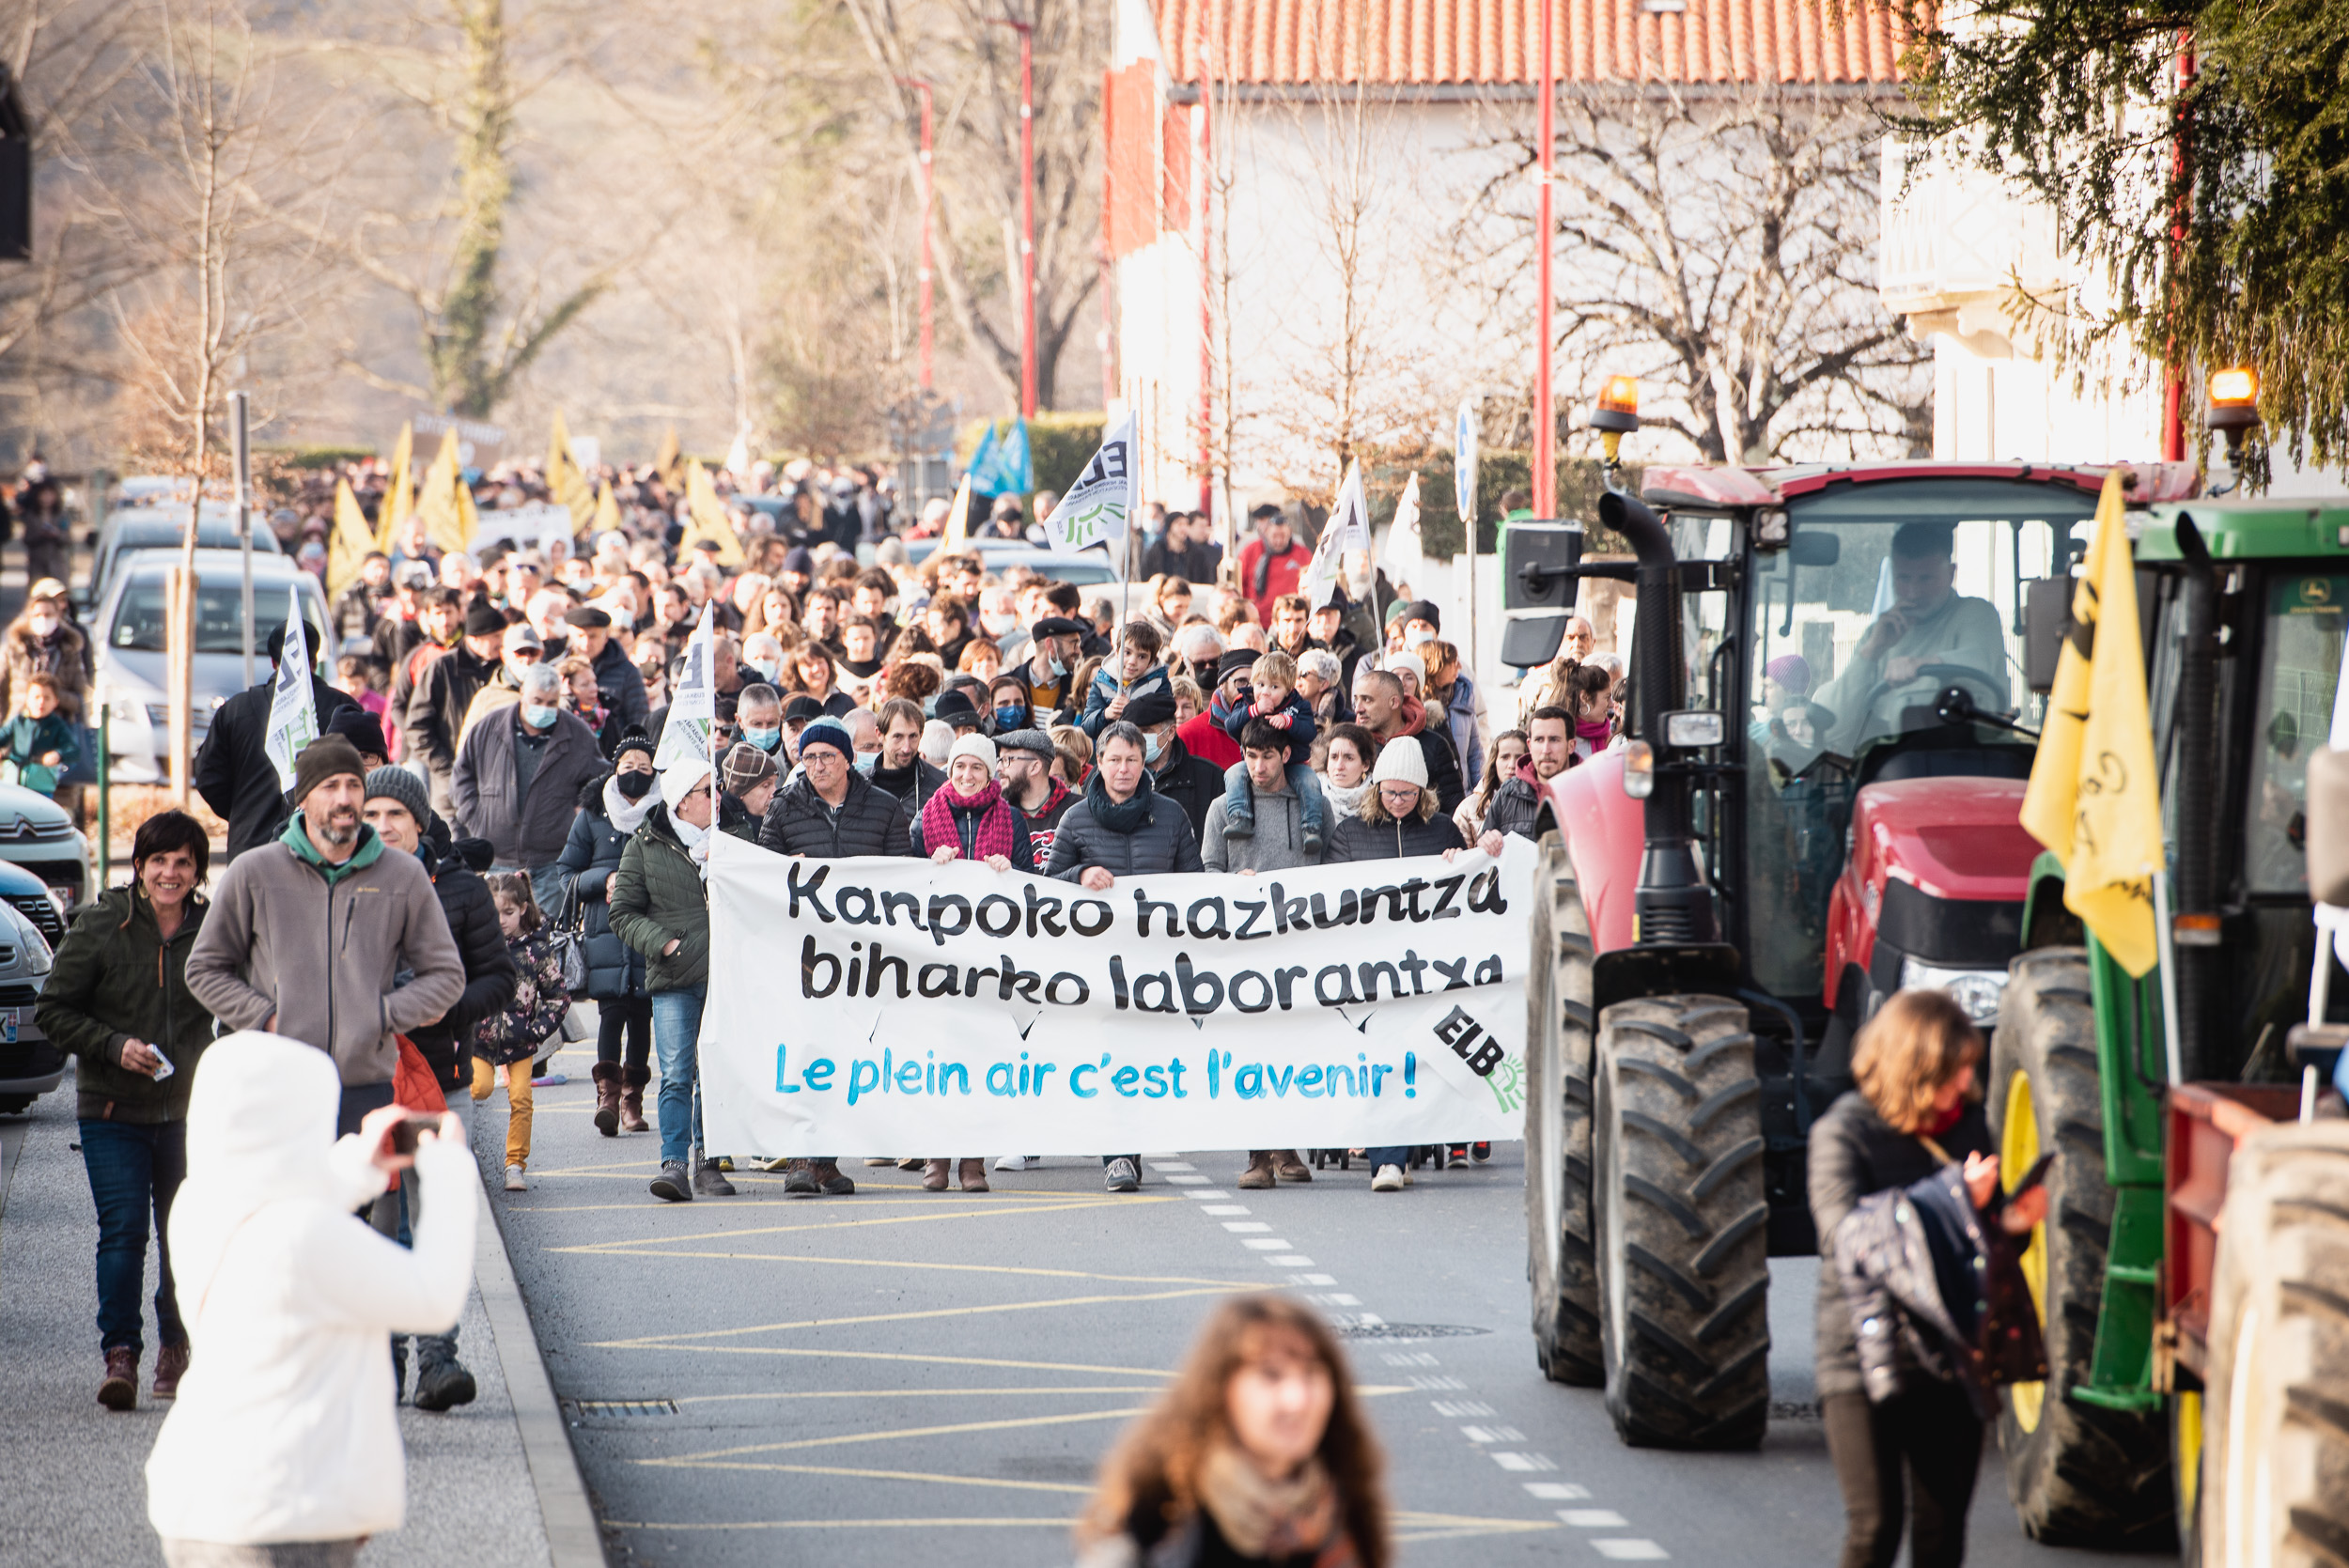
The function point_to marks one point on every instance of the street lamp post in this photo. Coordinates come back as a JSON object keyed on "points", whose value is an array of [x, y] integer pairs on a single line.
{"points": [[922, 272], [1544, 414], [1027, 212]]}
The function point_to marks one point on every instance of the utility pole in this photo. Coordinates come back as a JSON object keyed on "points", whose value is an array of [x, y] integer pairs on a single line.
{"points": [[241, 433], [922, 272], [1545, 411], [1027, 212]]}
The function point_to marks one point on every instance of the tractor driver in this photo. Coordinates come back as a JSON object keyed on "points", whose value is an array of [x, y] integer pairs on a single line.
{"points": [[1929, 623]]}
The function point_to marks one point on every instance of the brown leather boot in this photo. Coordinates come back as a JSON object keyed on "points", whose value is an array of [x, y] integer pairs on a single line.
{"points": [[632, 1081], [171, 1364], [972, 1174], [120, 1390], [830, 1182], [607, 1077], [934, 1175], [1287, 1166], [1259, 1172]]}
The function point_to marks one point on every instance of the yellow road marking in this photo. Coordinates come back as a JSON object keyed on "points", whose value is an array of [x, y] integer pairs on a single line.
{"points": [[689, 1461], [910, 1355], [679, 1341], [914, 1393], [895, 1475], [1410, 1526], [635, 1251], [852, 1524]]}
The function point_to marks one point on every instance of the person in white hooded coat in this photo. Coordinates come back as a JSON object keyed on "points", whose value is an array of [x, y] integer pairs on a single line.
{"points": [[283, 1447]]}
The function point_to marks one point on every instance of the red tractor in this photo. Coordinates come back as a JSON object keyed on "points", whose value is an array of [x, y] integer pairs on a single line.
{"points": [[1829, 729]]}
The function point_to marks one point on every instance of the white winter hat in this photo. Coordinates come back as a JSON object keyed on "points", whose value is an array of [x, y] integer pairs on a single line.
{"points": [[1401, 759], [681, 778], [1399, 662], [974, 745]]}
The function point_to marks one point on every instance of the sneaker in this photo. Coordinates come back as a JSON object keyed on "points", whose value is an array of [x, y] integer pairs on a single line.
{"points": [[443, 1384], [831, 1182], [1455, 1155], [171, 1364], [1388, 1179], [1236, 826], [552, 1081], [710, 1182], [1312, 845], [871, 1161], [1479, 1152], [514, 1180], [673, 1183], [1121, 1176], [725, 1163], [1020, 1162], [799, 1180], [121, 1390]]}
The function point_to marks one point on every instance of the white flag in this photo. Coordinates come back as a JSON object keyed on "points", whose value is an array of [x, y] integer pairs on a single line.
{"points": [[692, 704], [1095, 510], [1403, 557], [293, 717], [1348, 529]]}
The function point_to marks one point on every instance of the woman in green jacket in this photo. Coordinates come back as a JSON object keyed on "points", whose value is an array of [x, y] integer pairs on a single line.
{"points": [[117, 999]]}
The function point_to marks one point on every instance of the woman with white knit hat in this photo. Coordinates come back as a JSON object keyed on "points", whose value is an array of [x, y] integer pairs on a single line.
{"points": [[1399, 816]]}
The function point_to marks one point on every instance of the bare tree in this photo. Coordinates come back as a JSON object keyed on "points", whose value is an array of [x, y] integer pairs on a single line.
{"points": [[1721, 244]]}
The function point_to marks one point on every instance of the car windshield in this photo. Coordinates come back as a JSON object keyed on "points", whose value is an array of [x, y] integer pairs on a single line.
{"points": [[1888, 595], [2306, 617], [138, 623]]}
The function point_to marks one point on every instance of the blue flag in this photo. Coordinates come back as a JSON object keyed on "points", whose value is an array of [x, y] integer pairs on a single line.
{"points": [[1002, 467]]}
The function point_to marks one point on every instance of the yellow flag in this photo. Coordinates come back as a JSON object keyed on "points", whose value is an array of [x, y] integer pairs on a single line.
{"points": [[565, 482], [957, 530], [607, 509], [348, 546], [707, 517], [400, 499], [2094, 798], [665, 461], [444, 503]]}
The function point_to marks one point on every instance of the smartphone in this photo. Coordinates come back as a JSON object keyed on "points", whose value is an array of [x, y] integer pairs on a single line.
{"points": [[402, 1137], [2032, 1177]]}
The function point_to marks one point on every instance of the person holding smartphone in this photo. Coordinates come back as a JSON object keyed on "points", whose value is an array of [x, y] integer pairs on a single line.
{"points": [[1917, 1111], [117, 997]]}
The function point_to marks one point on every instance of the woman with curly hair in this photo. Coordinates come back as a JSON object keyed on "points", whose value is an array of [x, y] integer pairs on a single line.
{"points": [[1258, 1453]]}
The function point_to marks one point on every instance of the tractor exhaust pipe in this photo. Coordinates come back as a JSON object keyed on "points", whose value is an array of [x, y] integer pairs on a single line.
{"points": [[2195, 923], [1673, 903]]}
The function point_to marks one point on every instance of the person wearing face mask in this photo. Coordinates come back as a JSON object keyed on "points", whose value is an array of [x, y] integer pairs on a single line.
{"points": [[1007, 705], [762, 657], [760, 715], [44, 640], [1055, 645], [520, 650], [611, 809], [518, 778], [233, 773]]}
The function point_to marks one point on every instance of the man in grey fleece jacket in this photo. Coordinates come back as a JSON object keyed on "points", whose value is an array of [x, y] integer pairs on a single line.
{"points": [[307, 934], [1279, 841]]}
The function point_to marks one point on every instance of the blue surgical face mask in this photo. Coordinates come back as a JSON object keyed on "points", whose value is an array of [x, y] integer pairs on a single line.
{"points": [[1010, 718], [1151, 747], [766, 741], [766, 668], [537, 718], [1059, 669]]}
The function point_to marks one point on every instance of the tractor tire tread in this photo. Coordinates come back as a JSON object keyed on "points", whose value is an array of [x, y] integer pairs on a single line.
{"points": [[1562, 1028]]}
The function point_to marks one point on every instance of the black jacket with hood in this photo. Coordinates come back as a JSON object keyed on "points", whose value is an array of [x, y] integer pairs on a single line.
{"points": [[490, 974]]}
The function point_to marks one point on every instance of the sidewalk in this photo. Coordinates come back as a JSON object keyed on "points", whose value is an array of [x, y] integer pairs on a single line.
{"points": [[75, 1473]]}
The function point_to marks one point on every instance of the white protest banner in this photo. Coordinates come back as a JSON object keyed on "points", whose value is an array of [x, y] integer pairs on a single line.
{"points": [[692, 703], [524, 527], [869, 1005], [1095, 510], [293, 717], [1348, 529]]}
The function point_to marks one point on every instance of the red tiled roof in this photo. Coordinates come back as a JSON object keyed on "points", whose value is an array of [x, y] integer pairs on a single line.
{"points": [[1498, 42]]}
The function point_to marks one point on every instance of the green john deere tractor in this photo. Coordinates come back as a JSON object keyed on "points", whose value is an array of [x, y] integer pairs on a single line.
{"points": [[2146, 1087]]}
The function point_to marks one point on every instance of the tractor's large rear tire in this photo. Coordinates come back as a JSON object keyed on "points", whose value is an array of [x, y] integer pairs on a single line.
{"points": [[1682, 1224], [2276, 1470], [1559, 1260], [2079, 1475]]}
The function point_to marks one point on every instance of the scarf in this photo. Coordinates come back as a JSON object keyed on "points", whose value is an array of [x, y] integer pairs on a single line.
{"points": [[1414, 716], [1346, 800], [995, 831], [1274, 1521], [697, 840], [1597, 731], [1124, 819], [626, 815]]}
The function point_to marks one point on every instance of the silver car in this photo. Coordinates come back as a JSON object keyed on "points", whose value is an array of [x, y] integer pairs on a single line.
{"points": [[134, 529], [30, 1066], [128, 632]]}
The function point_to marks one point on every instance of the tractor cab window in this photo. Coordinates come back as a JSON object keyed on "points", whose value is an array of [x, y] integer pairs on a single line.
{"points": [[2300, 644], [1886, 596]]}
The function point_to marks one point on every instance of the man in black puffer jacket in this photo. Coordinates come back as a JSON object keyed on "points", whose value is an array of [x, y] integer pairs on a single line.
{"points": [[831, 811], [1122, 828], [396, 809]]}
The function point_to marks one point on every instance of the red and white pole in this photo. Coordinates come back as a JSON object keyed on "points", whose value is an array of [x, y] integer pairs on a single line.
{"points": [[1027, 213], [1545, 411]]}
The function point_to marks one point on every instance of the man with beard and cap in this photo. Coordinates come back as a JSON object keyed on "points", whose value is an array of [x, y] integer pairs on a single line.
{"points": [[233, 773], [659, 907], [396, 808], [435, 720], [1191, 783], [1055, 645], [1206, 736], [1023, 759], [618, 685]]}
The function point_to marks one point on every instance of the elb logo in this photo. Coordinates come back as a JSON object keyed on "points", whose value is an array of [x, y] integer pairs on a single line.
{"points": [[1461, 1032]]}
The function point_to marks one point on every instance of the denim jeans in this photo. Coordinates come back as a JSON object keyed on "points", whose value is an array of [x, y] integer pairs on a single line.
{"points": [[1239, 797], [134, 1172], [1399, 1156], [676, 1027]]}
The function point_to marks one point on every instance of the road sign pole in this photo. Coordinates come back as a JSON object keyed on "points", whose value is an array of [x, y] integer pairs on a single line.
{"points": [[238, 405]]}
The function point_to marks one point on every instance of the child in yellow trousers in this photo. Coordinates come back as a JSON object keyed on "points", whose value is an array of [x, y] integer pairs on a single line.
{"points": [[508, 1040]]}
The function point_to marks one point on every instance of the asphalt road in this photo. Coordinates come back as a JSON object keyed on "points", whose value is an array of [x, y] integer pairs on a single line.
{"points": [[902, 1373]]}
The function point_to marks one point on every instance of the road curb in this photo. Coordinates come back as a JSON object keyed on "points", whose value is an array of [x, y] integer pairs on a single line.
{"points": [[573, 1539]]}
